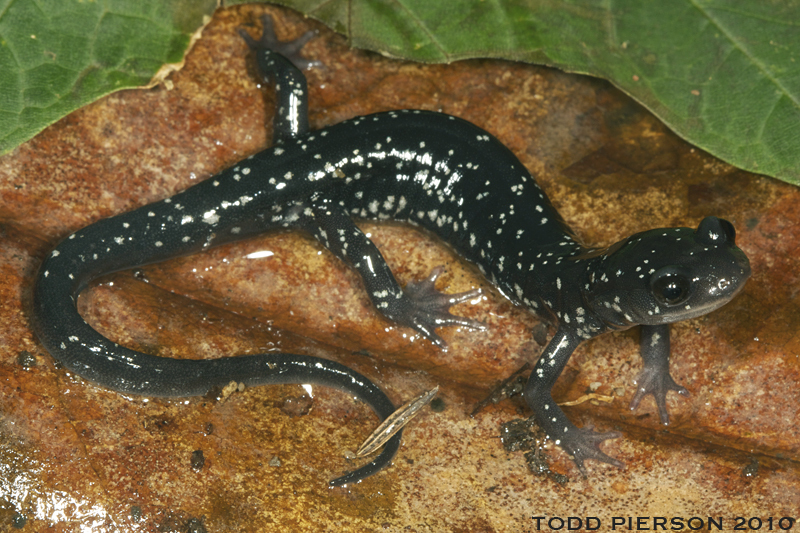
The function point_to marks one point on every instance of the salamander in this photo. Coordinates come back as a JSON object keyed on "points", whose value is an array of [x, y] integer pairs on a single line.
{"points": [[430, 170]]}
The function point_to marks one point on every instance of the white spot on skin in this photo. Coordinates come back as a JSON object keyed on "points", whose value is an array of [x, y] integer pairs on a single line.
{"points": [[655, 339], [211, 217]]}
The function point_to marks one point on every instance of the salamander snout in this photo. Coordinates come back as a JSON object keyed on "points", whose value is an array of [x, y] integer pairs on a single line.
{"points": [[672, 274], [717, 232]]}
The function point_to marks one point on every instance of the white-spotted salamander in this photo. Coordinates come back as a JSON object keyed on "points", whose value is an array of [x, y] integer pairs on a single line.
{"points": [[425, 168]]}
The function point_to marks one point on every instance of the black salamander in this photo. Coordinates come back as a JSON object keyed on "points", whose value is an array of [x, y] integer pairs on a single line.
{"points": [[431, 170]]}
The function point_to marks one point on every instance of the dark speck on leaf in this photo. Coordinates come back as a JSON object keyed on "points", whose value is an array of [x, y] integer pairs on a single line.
{"points": [[198, 460], [751, 470], [18, 521], [26, 359], [297, 405], [214, 394], [438, 405], [525, 435], [195, 525], [540, 334], [521, 435]]}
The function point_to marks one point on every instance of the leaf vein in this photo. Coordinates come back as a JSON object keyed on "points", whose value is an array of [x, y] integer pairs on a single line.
{"points": [[737, 43], [431, 37]]}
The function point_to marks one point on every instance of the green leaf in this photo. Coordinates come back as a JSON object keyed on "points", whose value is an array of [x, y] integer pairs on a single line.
{"points": [[58, 55], [723, 74]]}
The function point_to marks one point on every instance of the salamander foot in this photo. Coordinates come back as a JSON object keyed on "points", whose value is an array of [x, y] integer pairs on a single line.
{"points": [[429, 309], [584, 443], [658, 382], [288, 49]]}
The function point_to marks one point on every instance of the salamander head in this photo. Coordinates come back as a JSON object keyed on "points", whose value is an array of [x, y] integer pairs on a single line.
{"points": [[667, 275]]}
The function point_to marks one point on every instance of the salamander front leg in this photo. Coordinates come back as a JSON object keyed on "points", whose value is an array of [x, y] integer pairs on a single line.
{"points": [[420, 306], [655, 378], [580, 443], [430, 308]]}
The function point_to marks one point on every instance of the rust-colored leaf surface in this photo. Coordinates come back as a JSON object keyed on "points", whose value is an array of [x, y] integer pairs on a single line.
{"points": [[74, 457]]}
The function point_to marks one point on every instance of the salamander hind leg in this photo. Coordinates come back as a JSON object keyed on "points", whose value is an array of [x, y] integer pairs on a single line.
{"points": [[280, 62], [580, 443]]}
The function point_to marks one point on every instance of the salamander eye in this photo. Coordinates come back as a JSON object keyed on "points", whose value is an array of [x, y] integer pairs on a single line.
{"points": [[730, 232], [670, 287]]}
